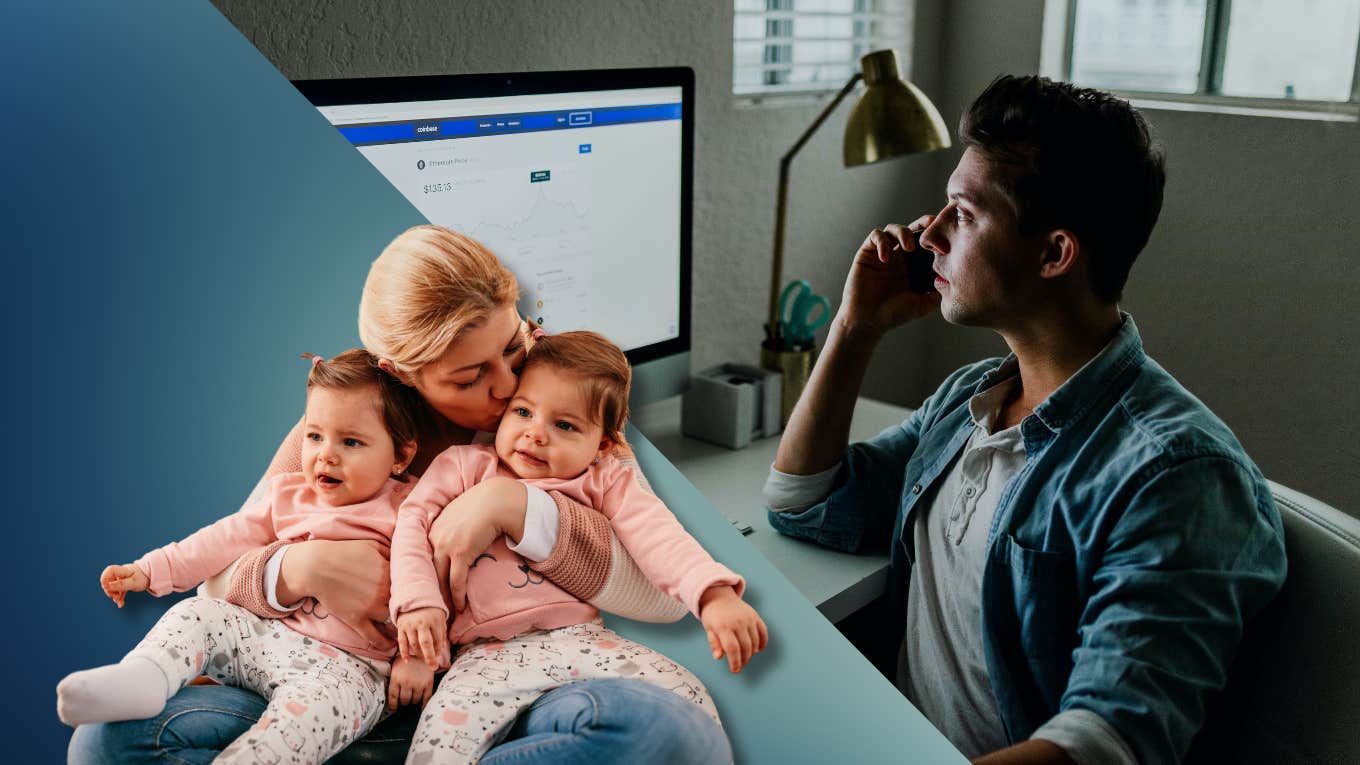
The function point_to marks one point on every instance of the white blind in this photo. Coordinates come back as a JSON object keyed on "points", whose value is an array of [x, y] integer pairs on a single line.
{"points": [[810, 45]]}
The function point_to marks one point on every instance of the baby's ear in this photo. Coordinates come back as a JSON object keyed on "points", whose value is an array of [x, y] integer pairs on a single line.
{"points": [[605, 446], [405, 454]]}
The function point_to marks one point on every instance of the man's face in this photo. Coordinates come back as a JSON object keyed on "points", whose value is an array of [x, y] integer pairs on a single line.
{"points": [[987, 271]]}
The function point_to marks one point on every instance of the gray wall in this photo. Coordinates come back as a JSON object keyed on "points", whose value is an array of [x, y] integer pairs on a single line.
{"points": [[1246, 292], [1249, 290]]}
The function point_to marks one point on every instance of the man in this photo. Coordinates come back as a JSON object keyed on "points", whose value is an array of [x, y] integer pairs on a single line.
{"points": [[1076, 541]]}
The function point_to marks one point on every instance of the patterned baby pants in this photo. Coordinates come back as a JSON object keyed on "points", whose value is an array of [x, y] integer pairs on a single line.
{"points": [[490, 683], [320, 697]]}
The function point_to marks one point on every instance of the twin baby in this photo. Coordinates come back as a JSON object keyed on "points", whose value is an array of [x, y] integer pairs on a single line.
{"points": [[519, 634]]}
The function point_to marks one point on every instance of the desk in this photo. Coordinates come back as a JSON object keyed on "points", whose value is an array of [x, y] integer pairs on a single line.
{"points": [[837, 583]]}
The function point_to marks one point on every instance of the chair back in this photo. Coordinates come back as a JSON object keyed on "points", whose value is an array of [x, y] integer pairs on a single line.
{"points": [[1293, 693]]}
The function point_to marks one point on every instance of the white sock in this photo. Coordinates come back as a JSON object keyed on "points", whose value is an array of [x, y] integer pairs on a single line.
{"points": [[133, 689]]}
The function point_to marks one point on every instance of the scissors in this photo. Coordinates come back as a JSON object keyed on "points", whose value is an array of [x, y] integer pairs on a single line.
{"points": [[799, 325]]}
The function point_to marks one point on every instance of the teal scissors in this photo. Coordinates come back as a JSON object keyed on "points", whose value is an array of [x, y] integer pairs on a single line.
{"points": [[798, 325]]}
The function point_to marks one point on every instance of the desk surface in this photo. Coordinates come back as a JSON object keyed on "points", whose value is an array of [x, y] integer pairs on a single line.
{"points": [[837, 583], [810, 696]]}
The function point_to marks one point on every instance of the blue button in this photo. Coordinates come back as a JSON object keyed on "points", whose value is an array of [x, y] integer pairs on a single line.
{"points": [[584, 148], [580, 118]]}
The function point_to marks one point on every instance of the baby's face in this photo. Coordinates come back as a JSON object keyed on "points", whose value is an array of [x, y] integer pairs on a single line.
{"points": [[547, 431], [347, 453]]}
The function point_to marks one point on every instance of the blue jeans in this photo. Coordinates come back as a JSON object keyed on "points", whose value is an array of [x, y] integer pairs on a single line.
{"points": [[593, 721]]}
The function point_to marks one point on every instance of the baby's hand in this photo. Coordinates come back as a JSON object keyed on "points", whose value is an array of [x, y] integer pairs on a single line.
{"points": [[117, 581], [733, 627], [423, 633], [411, 681]]}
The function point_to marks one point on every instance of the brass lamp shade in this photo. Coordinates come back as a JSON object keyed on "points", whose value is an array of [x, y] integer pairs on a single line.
{"points": [[892, 117]]}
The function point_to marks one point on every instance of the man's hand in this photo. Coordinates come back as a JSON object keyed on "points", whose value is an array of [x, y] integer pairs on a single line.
{"points": [[350, 579], [469, 524], [118, 580], [733, 627], [411, 681], [423, 633], [877, 297]]}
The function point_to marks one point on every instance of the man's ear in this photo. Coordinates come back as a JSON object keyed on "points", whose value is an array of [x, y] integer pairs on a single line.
{"points": [[1061, 251]]}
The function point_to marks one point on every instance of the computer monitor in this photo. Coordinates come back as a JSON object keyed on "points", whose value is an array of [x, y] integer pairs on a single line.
{"points": [[580, 182]]}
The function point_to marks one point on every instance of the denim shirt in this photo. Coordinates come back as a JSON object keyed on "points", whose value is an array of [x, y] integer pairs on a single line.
{"points": [[1124, 557]]}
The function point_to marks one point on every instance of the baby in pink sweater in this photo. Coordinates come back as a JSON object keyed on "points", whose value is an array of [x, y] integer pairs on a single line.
{"points": [[326, 685], [520, 634]]}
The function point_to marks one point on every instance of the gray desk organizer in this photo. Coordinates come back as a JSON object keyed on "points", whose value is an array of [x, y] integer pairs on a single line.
{"points": [[731, 404]]}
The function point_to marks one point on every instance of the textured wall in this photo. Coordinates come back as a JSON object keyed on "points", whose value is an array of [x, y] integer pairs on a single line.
{"points": [[737, 147], [1246, 291]]}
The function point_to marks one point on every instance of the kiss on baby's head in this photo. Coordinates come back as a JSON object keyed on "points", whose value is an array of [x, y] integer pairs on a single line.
{"points": [[569, 408], [359, 427]]}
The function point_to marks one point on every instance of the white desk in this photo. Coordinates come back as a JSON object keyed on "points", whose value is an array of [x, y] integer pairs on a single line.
{"points": [[837, 583]]}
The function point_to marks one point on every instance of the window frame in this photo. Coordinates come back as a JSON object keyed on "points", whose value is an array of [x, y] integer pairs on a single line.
{"points": [[816, 92], [1056, 63]]}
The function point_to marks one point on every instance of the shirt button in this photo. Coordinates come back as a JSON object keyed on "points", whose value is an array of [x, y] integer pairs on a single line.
{"points": [[916, 489], [969, 491]]}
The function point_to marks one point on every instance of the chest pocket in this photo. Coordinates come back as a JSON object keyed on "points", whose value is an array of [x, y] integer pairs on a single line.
{"points": [[1042, 584]]}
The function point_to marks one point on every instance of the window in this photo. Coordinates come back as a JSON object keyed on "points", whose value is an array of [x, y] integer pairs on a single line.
{"points": [[800, 46], [1298, 50]]}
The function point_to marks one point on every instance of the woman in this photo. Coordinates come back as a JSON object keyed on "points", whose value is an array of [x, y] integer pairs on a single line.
{"points": [[439, 310]]}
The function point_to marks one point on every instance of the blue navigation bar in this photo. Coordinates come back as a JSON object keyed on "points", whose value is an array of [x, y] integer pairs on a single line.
{"points": [[501, 124]]}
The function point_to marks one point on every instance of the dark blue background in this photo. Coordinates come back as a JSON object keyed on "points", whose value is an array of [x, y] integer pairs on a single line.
{"points": [[178, 225]]}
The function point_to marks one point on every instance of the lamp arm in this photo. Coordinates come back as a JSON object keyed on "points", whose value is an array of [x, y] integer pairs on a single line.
{"points": [[777, 267]]}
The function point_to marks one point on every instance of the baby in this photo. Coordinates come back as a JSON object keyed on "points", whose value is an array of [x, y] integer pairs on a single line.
{"points": [[521, 635], [325, 684]]}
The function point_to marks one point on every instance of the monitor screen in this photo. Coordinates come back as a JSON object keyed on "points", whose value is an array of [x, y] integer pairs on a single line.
{"points": [[578, 181]]}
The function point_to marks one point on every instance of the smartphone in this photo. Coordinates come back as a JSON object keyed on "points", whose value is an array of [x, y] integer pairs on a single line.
{"points": [[920, 268]]}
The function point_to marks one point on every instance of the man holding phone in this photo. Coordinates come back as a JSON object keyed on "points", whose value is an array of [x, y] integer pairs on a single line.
{"points": [[1076, 541]]}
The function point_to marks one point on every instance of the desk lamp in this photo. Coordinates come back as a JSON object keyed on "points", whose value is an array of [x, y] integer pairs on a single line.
{"points": [[892, 118]]}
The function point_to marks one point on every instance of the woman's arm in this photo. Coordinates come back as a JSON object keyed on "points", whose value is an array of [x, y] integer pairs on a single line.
{"points": [[349, 579], [586, 559]]}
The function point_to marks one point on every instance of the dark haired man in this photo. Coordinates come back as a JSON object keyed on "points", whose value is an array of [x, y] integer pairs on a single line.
{"points": [[1076, 541]]}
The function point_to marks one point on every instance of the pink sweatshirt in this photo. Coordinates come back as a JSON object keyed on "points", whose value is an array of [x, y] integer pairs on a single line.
{"points": [[506, 597], [289, 511]]}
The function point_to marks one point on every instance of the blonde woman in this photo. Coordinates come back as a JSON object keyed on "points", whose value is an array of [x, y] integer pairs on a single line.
{"points": [[438, 309]]}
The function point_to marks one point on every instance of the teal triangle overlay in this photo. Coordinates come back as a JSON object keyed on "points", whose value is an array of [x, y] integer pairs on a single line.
{"points": [[179, 224]]}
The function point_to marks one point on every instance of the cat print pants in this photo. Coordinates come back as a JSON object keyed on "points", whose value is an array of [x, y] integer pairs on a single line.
{"points": [[320, 697], [491, 682]]}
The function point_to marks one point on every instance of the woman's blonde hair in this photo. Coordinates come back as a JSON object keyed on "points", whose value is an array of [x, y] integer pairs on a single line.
{"points": [[426, 287]]}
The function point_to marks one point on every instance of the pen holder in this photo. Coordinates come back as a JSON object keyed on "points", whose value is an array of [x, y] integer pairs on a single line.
{"points": [[796, 367]]}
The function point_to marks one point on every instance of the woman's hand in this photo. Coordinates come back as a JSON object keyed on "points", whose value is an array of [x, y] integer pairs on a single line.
{"points": [[350, 579], [120, 579], [469, 524], [877, 296]]}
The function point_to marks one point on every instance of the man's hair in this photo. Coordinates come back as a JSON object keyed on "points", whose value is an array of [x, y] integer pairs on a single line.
{"points": [[1088, 163], [357, 368], [602, 368]]}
